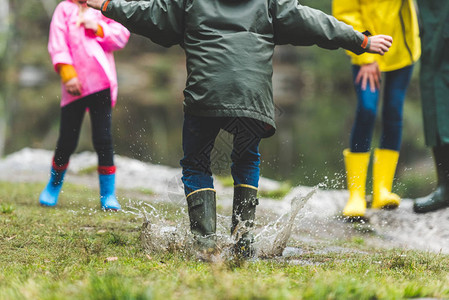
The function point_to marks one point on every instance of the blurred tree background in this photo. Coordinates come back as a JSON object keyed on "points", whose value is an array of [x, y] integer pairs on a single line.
{"points": [[312, 87]]}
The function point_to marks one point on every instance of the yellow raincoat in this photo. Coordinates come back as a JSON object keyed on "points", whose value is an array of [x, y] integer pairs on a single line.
{"points": [[396, 18]]}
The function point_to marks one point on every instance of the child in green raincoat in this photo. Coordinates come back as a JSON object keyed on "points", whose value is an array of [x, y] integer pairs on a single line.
{"points": [[229, 47]]}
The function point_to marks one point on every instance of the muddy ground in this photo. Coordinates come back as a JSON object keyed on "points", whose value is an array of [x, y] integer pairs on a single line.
{"points": [[318, 222]]}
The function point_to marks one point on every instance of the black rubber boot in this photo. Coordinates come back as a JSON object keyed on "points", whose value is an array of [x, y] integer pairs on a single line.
{"points": [[243, 215], [203, 219], [440, 197]]}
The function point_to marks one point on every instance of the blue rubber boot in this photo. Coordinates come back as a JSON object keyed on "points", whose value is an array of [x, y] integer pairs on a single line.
{"points": [[49, 196], [107, 192]]}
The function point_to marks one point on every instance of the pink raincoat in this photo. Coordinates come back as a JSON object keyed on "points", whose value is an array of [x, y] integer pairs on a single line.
{"points": [[90, 55]]}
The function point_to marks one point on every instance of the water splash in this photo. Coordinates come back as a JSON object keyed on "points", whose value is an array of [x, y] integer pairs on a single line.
{"points": [[160, 234], [273, 239]]}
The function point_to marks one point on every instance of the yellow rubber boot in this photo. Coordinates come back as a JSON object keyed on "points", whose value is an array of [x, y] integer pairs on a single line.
{"points": [[356, 169], [384, 167]]}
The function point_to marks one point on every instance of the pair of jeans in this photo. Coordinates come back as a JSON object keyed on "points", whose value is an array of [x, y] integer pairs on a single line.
{"points": [[198, 139], [100, 110], [396, 83]]}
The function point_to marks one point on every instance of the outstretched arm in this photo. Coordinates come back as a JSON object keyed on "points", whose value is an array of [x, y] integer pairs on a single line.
{"points": [[159, 20], [304, 26]]}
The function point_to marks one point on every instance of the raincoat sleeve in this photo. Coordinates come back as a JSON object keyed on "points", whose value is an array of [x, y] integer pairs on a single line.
{"points": [[349, 11], [304, 26], [58, 46], [159, 20], [115, 35]]}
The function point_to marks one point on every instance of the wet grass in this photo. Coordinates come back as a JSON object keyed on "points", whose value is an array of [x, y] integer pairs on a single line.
{"points": [[88, 170], [77, 251], [278, 193], [226, 181]]}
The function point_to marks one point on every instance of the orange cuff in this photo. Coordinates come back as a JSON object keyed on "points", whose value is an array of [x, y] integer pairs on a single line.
{"points": [[67, 72], [99, 31], [365, 42], [105, 5]]}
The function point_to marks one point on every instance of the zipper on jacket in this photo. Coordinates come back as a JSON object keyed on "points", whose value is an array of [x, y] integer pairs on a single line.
{"points": [[404, 33]]}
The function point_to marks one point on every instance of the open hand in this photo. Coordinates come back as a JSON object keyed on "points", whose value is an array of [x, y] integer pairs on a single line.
{"points": [[369, 73], [380, 44], [73, 86], [95, 3]]}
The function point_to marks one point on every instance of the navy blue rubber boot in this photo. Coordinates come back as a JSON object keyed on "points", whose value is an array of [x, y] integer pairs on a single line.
{"points": [[107, 192], [49, 196]]}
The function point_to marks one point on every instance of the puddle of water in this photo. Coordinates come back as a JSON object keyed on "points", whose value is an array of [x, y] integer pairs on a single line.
{"points": [[158, 234]]}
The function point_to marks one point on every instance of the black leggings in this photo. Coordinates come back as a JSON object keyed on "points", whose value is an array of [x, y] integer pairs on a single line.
{"points": [[99, 105]]}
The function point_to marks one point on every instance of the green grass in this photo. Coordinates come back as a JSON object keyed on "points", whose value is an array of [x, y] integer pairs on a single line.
{"points": [[148, 192], [226, 181], [6, 208], [88, 170], [279, 193], [62, 253]]}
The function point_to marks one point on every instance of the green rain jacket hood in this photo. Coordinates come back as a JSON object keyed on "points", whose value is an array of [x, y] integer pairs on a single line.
{"points": [[229, 47]]}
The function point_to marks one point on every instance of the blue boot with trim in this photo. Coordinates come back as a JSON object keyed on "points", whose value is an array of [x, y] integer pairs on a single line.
{"points": [[107, 188]]}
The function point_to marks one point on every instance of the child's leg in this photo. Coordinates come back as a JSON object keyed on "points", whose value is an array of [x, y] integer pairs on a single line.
{"points": [[357, 156], [198, 138], [396, 84], [245, 160], [363, 127], [100, 111], [100, 115], [70, 124], [386, 158], [245, 172]]}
